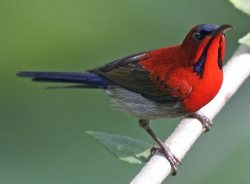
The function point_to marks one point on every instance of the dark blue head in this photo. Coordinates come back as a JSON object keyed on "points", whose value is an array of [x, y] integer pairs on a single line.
{"points": [[207, 28], [202, 38], [202, 31]]}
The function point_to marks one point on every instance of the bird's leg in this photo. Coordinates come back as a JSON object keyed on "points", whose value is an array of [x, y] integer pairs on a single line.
{"points": [[173, 160], [205, 121]]}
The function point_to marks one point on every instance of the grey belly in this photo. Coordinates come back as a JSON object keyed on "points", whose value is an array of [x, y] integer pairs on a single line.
{"points": [[143, 108]]}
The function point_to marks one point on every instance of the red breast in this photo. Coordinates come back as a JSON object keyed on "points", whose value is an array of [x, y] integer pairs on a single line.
{"points": [[192, 72]]}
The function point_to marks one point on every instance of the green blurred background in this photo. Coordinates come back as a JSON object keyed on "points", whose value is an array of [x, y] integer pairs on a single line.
{"points": [[42, 131]]}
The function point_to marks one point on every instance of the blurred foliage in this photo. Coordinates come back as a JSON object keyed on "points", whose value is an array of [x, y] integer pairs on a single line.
{"points": [[243, 5], [245, 40], [125, 148], [42, 131]]}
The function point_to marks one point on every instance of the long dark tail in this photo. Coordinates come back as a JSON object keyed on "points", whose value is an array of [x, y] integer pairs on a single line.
{"points": [[87, 79]]}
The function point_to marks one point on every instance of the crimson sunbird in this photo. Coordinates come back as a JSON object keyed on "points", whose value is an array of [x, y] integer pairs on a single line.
{"points": [[174, 81]]}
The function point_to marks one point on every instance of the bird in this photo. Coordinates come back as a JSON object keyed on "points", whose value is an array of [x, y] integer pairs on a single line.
{"points": [[169, 82]]}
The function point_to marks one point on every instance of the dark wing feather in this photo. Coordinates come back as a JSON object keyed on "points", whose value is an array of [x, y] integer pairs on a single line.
{"points": [[130, 74]]}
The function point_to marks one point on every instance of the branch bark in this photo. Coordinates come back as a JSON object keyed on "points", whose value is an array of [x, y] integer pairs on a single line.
{"points": [[188, 131]]}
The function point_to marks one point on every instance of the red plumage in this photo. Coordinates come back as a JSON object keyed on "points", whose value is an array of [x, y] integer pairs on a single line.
{"points": [[174, 81], [174, 66]]}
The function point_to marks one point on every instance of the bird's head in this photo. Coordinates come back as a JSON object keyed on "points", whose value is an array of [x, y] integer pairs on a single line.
{"points": [[203, 40]]}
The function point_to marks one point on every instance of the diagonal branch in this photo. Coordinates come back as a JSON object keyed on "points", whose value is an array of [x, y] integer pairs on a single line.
{"points": [[188, 131]]}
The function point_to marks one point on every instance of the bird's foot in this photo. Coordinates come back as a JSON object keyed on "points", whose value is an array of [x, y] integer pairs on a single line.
{"points": [[205, 121], [163, 149], [173, 160]]}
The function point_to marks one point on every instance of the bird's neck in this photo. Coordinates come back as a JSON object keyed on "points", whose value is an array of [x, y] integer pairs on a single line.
{"points": [[213, 60], [207, 80]]}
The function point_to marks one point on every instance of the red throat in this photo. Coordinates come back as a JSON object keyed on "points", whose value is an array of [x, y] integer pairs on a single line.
{"points": [[174, 66], [206, 87]]}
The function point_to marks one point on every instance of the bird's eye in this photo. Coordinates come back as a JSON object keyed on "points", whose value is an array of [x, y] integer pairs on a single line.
{"points": [[196, 36]]}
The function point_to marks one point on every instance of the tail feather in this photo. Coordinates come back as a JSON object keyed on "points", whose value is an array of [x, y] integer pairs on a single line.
{"points": [[87, 79]]}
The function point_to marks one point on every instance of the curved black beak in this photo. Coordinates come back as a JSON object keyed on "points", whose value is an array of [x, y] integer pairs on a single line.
{"points": [[221, 29]]}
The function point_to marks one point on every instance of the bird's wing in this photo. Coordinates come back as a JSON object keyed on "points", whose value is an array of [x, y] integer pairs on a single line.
{"points": [[130, 74]]}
